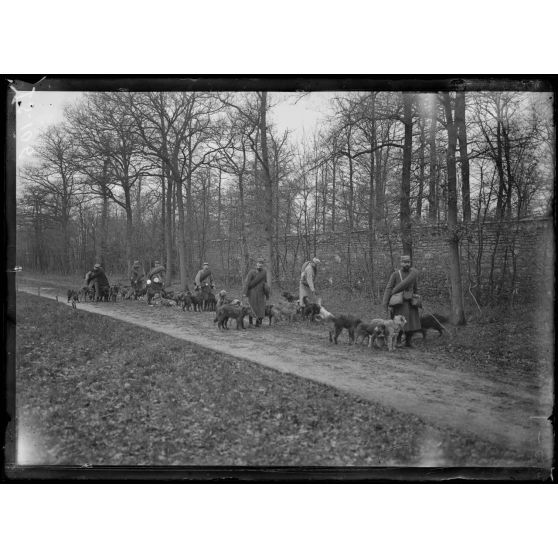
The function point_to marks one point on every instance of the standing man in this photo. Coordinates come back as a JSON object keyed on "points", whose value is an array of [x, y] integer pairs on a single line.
{"points": [[100, 282], [308, 275], [257, 290], [136, 278], [155, 281], [398, 297], [204, 275]]}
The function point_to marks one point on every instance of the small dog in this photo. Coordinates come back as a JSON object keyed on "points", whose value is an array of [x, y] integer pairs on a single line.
{"points": [[113, 292], [288, 310], [288, 296], [392, 330], [222, 300], [229, 311], [433, 321], [310, 309], [271, 312], [73, 296], [371, 331]]}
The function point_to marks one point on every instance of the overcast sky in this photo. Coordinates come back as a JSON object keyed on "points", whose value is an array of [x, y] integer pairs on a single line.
{"points": [[42, 108]]}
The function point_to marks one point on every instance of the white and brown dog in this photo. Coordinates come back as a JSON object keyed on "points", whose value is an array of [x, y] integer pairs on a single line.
{"points": [[392, 329]]}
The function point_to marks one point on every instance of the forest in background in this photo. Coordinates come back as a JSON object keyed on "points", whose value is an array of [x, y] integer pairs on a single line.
{"points": [[161, 175]]}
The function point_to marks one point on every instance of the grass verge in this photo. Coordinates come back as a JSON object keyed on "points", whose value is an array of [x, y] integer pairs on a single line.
{"points": [[92, 390]]}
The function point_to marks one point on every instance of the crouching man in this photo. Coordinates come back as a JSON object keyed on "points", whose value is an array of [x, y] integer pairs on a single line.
{"points": [[155, 281]]}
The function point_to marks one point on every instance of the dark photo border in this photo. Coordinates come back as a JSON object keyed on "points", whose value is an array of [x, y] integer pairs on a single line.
{"points": [[11, 472]]}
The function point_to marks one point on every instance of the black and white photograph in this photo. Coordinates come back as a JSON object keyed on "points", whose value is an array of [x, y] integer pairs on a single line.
{"points": [[261, 274]]}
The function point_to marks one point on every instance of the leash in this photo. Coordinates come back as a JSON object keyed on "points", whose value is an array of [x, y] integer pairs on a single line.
{"points": [[436, 320]]}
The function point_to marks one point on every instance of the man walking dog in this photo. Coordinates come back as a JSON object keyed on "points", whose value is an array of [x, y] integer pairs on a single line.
{"points": [[401, 298], [257, 290], [307, 287], [204, 275]]}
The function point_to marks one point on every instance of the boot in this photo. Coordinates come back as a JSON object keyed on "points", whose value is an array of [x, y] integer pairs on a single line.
{"points": [[408, 337], [258, 322]]}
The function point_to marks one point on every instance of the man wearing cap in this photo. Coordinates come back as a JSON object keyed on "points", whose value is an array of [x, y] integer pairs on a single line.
{"points": [[100, 282], [204, 275], [308, 275], [155, 281], [137, 275], [403, 281], [257, 290]]}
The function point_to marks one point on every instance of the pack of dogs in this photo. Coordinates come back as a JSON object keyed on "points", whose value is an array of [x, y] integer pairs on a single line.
{"points": [[375, 332]]}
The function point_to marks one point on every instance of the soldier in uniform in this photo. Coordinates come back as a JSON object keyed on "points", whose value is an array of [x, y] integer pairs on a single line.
{"points": [[100, 282], [404, 281], [257, 290], [204, 275], [308, 275], [155, 281]]}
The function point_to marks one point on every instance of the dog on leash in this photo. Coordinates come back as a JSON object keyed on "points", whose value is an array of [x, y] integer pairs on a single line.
{"points": [[288, 310], [309, 309], [393, 328], [432, 321], [371, 331], [113, 292], [73, 296], [289, 297], [231, 311], [339, 323]]}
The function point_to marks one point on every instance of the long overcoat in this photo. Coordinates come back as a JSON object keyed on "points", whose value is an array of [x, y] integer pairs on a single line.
{"points": [[410, 313], [257, 293]]}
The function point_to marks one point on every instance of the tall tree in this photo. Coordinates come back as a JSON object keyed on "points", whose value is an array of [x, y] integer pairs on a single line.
{"points": [[404, 203], [457, 306], [463, 155]]}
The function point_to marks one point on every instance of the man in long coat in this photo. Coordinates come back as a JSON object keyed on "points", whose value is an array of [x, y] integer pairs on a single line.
{"points": [[257, 290], [100, 282], [404, 280], [307, 286]]}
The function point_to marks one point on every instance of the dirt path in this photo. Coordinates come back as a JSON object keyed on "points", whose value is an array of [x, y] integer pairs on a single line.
{"points": [[506, 411]]}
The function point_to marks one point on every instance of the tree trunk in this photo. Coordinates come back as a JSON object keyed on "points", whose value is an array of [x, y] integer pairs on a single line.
{"points": [[169, 224], [182, 262], [268, 187], [404, 207], [422, 164], [432, 186], [457, 310], [463, 156], [243, 244]]}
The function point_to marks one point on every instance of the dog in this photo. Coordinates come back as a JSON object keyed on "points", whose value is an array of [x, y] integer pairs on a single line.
{"points": [[393, 329], [289, 297], [113, 293], [309, 310], [432, 321], [222, 299], [370, 331], [73, 296], [271, 312], [288, 310], [85, 293], [339, 323], [231, 311]]}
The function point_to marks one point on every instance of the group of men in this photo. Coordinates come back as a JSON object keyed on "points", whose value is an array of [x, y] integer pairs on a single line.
{"points": [[400, 295]]}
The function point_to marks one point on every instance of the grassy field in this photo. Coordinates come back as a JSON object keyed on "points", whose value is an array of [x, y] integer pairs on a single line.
{"points": [[92, 390]]}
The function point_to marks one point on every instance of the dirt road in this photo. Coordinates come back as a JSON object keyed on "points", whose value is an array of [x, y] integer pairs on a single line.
{"points": [[507, 410]]}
